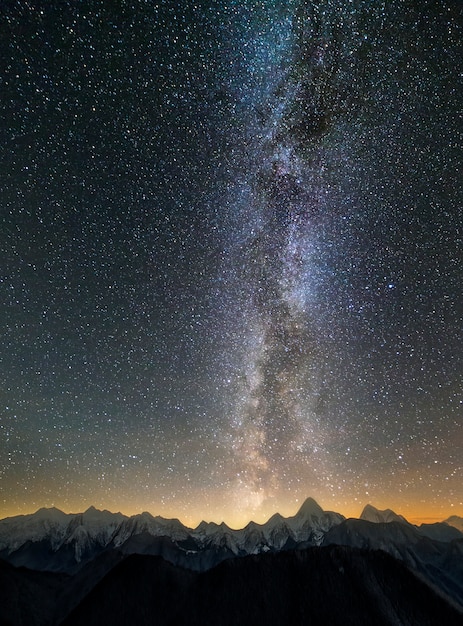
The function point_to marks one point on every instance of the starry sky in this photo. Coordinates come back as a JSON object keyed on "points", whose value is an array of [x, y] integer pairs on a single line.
{"points": [[231, 256]]}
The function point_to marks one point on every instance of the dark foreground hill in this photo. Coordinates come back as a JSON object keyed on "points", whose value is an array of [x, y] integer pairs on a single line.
{"points": [[332, 585]]}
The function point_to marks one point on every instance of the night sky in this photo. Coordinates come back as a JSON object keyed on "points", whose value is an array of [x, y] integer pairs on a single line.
{"points": [[231, 256]]}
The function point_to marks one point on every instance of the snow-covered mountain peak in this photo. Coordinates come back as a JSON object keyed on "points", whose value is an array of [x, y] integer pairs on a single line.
{"points": [[208, 529], [145, 515], [455, 521], [15, 531], [91, 509], [93, 515], [308, 509], [202, 527], [372, 514], [51, 539], [51, 513], [155, 526], [275, 520], [166, 522], [213, 527]]}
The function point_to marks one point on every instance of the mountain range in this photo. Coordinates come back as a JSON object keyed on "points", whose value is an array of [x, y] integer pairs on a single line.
{"points": [[55, 541], [79, 560]]}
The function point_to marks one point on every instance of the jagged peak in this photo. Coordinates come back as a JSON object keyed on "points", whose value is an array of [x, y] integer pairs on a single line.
{"points": [[456, 521], [92, 509], [50, 512], [372, 514], [143, 515], [208, 528], [276, 520], [309, 507], [101, 514]]}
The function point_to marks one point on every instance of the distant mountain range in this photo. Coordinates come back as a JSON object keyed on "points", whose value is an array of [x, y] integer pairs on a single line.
{"points": [[55, 541], [74, 555]]}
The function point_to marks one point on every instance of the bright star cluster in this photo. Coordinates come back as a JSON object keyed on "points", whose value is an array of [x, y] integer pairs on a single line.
{"points": [[232, 243]]}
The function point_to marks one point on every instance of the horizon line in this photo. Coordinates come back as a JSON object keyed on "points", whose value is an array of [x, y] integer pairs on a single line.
{"points": [[411, 520]]}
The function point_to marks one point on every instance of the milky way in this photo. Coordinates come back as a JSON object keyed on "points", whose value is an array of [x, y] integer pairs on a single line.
{"points": [[278, 424], [231, 242]]}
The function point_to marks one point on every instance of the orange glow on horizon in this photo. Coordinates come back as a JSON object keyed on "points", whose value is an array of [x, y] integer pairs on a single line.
{"points": [[239, 519]]}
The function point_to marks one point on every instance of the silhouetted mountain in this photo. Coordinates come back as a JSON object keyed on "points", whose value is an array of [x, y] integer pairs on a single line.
{"points": [[79, 585], [318, 586], [372, 514], [439, 562], [440, 531], [28, 598], [455, 521]]}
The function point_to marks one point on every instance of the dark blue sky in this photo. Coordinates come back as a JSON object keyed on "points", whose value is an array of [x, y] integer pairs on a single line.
{"points": [[231, 256]]}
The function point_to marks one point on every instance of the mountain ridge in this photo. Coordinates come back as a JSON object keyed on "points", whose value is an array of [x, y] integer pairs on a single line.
{"points": [[336, 585], [309, 505], [65, 543], [286, 587], [58, 541], [372, 514]]}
